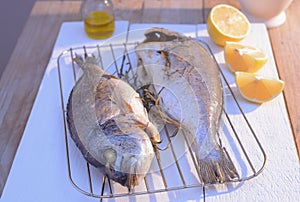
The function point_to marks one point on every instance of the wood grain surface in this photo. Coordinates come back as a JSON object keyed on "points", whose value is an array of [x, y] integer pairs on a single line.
{"points": [[22, 76], [285, 42]]}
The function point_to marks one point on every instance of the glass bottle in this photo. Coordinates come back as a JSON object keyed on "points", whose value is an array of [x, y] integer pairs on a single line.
{"points": [[98, 17]]}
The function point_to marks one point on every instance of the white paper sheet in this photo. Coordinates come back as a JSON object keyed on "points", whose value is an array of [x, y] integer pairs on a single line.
{"points": [[39, 172]]}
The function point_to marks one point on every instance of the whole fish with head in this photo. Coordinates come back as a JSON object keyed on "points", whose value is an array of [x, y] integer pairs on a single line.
{"points": [[187, 81], [110, 125]]}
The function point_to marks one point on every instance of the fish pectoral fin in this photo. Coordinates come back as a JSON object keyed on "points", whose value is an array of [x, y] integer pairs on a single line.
{"points": [[108, 76], [128, 106], [140, 123]]}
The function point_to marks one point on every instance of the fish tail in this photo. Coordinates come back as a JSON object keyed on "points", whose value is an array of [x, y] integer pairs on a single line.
{"points": [[87, 60], [79, 60], [217, 167]]}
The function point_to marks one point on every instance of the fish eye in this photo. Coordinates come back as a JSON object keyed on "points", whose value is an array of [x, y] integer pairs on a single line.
{"points": [[109, 156]]}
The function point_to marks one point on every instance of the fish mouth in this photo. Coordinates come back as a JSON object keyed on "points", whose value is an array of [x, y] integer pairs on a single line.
{"points": [[130, 173], [130, 180], [126, 179]]}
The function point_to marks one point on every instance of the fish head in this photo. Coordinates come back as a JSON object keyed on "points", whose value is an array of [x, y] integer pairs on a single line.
{"points": [[127, 161]]}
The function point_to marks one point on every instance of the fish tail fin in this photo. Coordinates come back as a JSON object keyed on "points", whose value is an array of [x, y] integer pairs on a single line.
{"points": [[79, 60], [86, 60], [217, 167]]}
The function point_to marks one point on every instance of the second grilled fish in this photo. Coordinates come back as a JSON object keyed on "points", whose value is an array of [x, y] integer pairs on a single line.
{"points": [[189, 85]]}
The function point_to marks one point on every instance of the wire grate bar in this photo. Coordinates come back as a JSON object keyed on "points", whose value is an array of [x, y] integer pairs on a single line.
{"points": [[175, 157], [157, 156], [115, 61], [193, 157], [240, 143], [99, 55], [89, 177], [103, 186], [146, 184], [73, 65]]}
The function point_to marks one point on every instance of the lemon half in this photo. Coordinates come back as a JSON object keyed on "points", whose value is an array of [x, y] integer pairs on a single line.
{"points": [[227, 23]]}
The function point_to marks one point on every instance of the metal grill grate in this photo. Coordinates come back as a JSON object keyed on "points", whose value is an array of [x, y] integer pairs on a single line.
{"points": [[182, 171]]}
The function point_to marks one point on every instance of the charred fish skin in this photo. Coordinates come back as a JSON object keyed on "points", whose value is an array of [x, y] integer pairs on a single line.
{"points": [[187, 69], [109, 125]]}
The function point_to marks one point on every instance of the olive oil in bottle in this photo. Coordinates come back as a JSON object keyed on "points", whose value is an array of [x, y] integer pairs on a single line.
{"points": [[98, 16]]}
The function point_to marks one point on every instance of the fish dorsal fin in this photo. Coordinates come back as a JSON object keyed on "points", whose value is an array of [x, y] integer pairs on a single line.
{"points": [[162, 35]]}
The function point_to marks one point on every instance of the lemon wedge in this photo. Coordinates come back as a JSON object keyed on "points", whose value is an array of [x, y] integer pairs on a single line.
{"points": [[227, 23], [244, 58], [256, 88]]}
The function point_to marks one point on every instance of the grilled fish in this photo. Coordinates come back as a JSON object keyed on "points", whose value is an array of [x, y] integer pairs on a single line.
{"points": [[110, 125], [187, 80]]}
